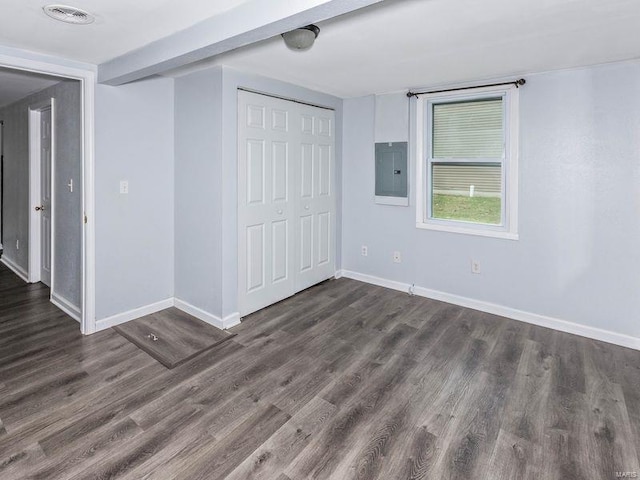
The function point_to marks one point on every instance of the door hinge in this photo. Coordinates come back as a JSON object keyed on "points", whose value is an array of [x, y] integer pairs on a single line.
{"points": [[85, 219]]}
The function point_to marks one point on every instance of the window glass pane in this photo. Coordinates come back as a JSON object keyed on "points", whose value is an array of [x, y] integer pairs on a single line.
{"points": [[470, 193], [472, 129]]}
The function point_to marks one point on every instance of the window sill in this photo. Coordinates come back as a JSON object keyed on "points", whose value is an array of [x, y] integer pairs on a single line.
{"points": [[468, 231]]}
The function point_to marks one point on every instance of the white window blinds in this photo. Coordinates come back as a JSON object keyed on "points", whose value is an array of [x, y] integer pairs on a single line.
{"points": [[470, 129]]}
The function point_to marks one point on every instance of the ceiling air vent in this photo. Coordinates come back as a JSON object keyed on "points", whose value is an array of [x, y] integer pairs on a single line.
{"points": [[68, 14]]}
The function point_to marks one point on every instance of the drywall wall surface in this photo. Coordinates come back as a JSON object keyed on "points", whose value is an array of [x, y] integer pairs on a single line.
{"points": [[232, 80], [579, 171], [16, 184], [198, 184], [382, 229], [68, 167], [392, 118], [134, 231]]}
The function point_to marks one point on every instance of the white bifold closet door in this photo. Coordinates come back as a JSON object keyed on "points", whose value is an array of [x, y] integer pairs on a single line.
{"points": [[286, 198]]}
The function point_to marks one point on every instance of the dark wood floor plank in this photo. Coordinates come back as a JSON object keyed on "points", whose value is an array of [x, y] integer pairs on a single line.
{"points": [[79, 451], [274, 455], [433, 396], [16, 465], [222, 457], [566, 447], [469, 446], [342, 381], [385, 441], [126, 456], [570, 362], [515, 458], [527, 399], [323, 456], [609, 421], [430, 331], [628, 367], [109, 352]]}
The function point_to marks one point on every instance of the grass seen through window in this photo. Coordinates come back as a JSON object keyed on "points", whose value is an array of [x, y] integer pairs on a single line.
{"points": [[468, 209]]}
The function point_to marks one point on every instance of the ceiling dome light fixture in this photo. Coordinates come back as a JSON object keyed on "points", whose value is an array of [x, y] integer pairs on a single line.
{"points": [[301, 38], [67, 14]]}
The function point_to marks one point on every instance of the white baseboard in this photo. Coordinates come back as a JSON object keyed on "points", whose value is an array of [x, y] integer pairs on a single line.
{"points": [[21, 272], [67, 307], [527, 317], [223, 323], [231, 320], [124, 317]]}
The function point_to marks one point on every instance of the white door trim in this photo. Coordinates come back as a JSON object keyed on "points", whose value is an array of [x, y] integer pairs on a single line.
{"points": [[87, 79], [35, 188]]}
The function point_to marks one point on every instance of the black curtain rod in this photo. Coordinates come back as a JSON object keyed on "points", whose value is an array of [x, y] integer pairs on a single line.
{"points": [[518, 83]]}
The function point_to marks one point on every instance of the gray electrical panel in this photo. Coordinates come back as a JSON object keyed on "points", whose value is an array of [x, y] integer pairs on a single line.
{"points": [[391, 173]]}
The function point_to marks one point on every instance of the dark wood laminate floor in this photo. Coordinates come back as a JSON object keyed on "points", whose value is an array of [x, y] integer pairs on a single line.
{"points": [[342, 381]]}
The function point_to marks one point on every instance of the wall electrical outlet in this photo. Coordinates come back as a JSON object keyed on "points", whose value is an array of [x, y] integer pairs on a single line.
{"points": [[124, 186], [397, 258], [364, 251], [475, 266]]}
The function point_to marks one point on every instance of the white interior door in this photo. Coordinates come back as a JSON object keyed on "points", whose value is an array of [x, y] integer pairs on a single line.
{"points": [[286, 201], [45, 195], [315, 242], [265, 201]]}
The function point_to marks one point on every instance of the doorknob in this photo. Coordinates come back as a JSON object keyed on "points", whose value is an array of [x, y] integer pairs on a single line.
{"points": [[279, 212], [306, 207], [39, 207]]}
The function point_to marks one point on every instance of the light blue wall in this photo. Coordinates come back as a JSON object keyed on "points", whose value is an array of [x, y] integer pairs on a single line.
{"points": [[579, 207], [68, 205], [134, 232], [198, 187], [391, 118]]}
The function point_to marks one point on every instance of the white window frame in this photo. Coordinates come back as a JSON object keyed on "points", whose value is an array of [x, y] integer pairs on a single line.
{"points": [[424, 111]]}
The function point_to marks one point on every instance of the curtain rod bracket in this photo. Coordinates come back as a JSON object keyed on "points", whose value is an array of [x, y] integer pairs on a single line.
{"points": [[518, 83]]}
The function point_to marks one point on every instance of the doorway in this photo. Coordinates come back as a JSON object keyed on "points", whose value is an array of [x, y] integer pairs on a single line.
{"points": [[42, 214], [44, 223], [286, 198]]}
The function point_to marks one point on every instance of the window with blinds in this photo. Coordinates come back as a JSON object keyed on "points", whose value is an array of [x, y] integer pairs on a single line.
{"points": [[473, 129], [467, 159]]}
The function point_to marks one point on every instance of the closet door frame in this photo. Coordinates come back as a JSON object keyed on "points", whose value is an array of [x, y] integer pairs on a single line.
{"points": [[259, 113]]}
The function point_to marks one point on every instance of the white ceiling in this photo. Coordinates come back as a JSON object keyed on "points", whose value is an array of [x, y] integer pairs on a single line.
{"points": [[400, 44], [15, 85], [121, 25], [391, 46]]}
